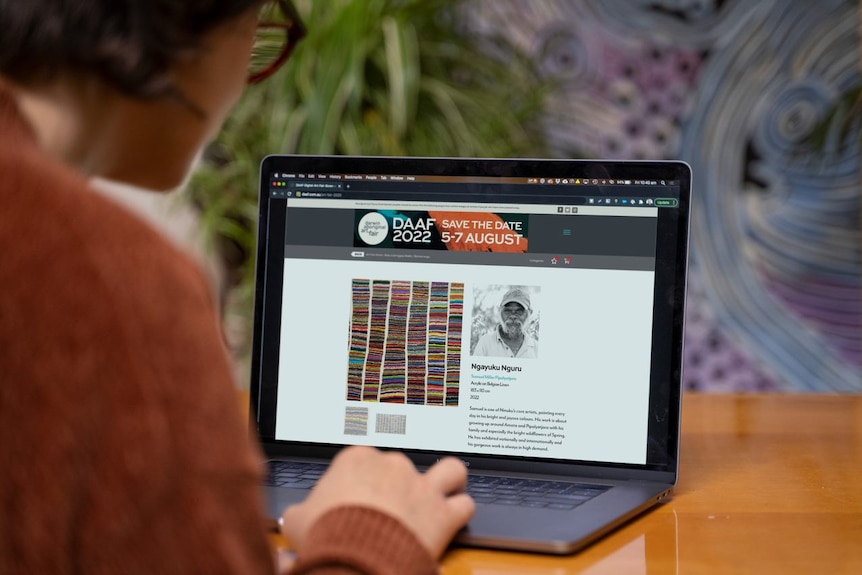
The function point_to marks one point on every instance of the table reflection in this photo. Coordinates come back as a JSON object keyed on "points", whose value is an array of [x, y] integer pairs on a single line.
{"points": [[648, 545]]}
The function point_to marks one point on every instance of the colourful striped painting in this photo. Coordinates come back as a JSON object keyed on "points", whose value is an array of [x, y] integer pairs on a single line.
{"points": [[405, 342]]}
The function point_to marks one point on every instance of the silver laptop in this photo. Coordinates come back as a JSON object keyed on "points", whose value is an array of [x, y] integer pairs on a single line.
{"points": [[525, 316]]}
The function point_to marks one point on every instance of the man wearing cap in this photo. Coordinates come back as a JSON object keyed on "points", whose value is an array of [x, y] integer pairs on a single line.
{"points": [[508, 338]]}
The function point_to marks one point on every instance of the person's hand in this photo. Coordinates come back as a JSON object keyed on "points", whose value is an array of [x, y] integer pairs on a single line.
{"points": [[432, 505]]}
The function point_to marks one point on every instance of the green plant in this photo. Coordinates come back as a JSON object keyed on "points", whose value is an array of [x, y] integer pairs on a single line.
{"points": [[840, 128], [373, 77]]}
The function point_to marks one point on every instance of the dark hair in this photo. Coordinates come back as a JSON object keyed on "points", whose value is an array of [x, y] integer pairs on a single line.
{"points": [[130, 44]]}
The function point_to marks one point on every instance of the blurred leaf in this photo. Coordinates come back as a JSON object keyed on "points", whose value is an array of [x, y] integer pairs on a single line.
{"points": [[839, 130], [372, 77]]}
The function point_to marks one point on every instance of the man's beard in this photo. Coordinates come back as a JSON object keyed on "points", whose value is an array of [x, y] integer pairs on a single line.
{"points": [[512, 328]]}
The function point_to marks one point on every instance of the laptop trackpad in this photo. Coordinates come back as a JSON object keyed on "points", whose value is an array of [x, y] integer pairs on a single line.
{"points": [[277, 499]]}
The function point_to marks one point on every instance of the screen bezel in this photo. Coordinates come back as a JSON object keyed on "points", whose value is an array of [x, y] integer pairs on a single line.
{"points": [[671, 268]]}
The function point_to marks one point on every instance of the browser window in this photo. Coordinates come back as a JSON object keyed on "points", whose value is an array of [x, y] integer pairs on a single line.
{"points": [[472, 315]]}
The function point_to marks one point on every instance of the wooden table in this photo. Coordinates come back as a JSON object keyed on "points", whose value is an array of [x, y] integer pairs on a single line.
{"points": [[768, 484]]}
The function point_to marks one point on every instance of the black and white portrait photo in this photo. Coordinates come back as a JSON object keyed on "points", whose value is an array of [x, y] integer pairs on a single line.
{"points": [[505, 322]]}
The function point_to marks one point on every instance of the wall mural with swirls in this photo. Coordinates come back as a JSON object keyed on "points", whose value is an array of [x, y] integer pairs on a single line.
{"points": [[731, 87]]}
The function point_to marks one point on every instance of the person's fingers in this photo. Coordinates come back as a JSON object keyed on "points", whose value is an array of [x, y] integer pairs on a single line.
{"points": [[461, 507], [431, 505], [285, 560], [294, 525], [398, 461], [352, 454], [448, 475]]}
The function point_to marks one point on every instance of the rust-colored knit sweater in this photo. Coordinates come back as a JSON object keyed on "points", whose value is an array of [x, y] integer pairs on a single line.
{"points": [[121, 446]]}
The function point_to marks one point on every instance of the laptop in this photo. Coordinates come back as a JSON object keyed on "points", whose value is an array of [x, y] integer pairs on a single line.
{"points": [[523, 315]]}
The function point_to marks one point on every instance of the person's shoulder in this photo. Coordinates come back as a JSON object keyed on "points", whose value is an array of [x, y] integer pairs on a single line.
{"points": [[105, 304], [486, 342], [58, 227], [81, 272]]}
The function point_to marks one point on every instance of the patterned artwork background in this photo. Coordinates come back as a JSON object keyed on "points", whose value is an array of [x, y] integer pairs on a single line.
{"points": [[732, 87], [392, 423], [405, 342]]}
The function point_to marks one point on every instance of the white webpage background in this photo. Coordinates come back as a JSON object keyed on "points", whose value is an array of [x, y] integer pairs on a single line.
{"points": [[593, 365]]}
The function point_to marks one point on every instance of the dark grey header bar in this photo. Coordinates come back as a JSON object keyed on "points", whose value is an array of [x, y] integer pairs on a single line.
{"points": [[560, 261]]}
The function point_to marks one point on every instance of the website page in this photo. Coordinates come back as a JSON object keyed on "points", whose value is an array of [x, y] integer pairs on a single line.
{"points": [[481, 328]]}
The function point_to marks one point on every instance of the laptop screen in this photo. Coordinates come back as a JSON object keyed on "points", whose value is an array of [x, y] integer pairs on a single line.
{"points": [[526, 309]]}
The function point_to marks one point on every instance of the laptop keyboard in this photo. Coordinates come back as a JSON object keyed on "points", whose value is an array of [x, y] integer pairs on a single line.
{"points": [[483, 488], [531, 492], [296, 474]]}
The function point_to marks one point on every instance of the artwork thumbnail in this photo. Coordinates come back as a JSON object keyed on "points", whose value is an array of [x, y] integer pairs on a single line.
{"points": [[405, 342]]}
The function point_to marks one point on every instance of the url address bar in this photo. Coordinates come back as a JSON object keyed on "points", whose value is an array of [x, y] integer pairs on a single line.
{"points": [[389, 205], [306, 202]]}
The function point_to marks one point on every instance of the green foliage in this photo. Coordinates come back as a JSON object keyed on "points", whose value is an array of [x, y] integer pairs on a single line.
{"points": [[839, 130], [373, 77]]}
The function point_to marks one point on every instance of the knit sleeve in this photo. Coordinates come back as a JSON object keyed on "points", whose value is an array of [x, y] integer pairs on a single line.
{"points": [[354, 540]]}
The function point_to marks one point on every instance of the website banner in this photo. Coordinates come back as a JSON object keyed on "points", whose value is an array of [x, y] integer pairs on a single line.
{"points": [[442, 230], [494, 233]]}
